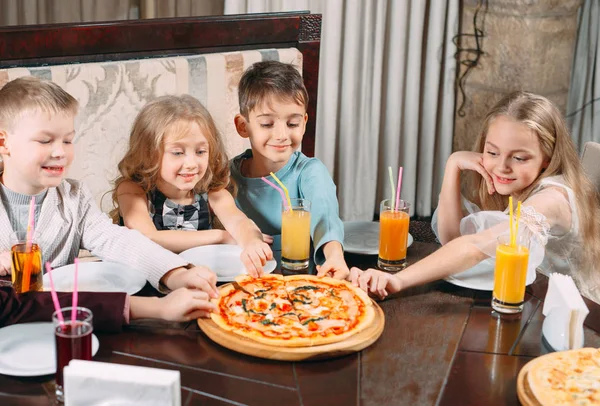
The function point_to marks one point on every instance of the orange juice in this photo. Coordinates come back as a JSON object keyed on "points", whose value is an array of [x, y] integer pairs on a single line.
{"points": [[510, 274], [393, 235], [295, 238], [21, 259]]}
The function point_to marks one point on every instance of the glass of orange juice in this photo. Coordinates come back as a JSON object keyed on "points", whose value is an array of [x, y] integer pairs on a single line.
{"points": [[26, 263], [510, 274], [393, 235], [295, 235]]}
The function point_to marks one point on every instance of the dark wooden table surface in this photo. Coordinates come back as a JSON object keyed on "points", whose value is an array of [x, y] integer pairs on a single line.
{"points": [[441, 345]]}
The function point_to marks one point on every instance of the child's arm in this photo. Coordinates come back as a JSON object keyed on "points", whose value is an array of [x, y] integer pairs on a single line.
{"points": [[133, 205], [450, 206], [5, 263], [180, 305], [552, 211], [457, 255], [335, 264], [255, 251]]}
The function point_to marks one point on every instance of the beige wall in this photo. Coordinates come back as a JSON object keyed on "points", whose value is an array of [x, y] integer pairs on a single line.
{"points": [[528, 45]]}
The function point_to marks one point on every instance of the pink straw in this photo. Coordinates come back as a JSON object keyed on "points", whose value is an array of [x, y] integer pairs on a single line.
{"points": [[30, 224], [54, 295], [75, 295], [268, 182], [398, 188]]}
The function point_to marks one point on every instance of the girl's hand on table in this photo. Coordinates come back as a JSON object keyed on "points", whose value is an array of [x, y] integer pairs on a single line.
{"points": [[472, 161], [5, 264], [255, 255], [376, 282], [186, 304]]}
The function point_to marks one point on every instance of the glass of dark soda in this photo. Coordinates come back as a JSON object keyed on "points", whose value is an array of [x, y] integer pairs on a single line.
{"points": [[73, 340]]}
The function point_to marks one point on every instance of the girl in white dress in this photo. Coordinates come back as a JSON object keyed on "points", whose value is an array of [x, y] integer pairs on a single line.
{"points": [[524, 150]]}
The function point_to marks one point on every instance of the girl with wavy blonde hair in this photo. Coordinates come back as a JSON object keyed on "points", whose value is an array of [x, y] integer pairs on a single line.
{"points": [[524, 150], [174, 177]]}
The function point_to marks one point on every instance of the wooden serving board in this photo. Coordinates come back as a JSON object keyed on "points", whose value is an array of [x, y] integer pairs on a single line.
{"points": [[523, 391], [247, 346]]}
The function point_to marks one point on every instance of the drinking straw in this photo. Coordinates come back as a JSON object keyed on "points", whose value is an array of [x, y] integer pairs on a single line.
{"points": [[399, 187], [26, 278], [392, 185], [274, 186], [287, 195], [517, 223], [54, 295], [75, 295], [510, 211]]}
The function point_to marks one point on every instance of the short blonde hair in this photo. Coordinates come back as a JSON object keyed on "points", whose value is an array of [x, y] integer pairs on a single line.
{"points": [[29, 93]]}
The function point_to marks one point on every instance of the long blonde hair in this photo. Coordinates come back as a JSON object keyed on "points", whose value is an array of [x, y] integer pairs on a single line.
{"points": [[158, 119], [546, 121]]}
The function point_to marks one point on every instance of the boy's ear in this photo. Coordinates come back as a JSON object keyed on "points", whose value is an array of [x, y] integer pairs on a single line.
{"points": [[241, 125], [3, 147], [305, 117]]}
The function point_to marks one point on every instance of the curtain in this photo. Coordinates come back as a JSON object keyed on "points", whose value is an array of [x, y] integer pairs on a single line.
{"points": [[583, 106], [180, 8], [20, 12], [386, 95]]}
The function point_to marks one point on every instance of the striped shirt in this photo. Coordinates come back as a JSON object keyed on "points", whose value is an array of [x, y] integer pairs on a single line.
{"points": [[70, 219]]}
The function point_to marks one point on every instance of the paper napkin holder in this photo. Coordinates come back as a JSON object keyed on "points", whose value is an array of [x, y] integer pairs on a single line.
{"points": [[565, 312], [93, 383]]}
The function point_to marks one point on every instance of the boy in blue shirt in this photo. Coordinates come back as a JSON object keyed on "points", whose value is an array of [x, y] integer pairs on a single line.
{"points": [[273, 117]]}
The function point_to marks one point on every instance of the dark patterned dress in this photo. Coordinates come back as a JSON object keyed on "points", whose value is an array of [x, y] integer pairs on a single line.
{"points": [[168, 215]]}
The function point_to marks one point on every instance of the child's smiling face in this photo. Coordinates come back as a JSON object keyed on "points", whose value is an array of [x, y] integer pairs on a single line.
{"points": [[37, 151], [512, 155], [275, 129], [185, 160]]}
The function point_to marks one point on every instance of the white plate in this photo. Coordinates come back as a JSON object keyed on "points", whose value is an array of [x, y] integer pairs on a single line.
{"points": [[481, 276], [97, 277], [222, 259], [362, 237], [29, 349]]}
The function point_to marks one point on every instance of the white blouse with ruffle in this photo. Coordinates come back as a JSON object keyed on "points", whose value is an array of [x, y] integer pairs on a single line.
{"points": [[550, 221]]}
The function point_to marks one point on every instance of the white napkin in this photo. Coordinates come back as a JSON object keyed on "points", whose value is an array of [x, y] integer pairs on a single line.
{"points": [[565, 312], [92, 383]]}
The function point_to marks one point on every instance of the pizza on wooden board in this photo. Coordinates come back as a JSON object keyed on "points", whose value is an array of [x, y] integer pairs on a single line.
{"points": [[293, 311], [566, 378]]}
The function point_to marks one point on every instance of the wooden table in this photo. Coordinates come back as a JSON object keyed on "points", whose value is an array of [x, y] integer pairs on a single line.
{"points": [[441, 345]]}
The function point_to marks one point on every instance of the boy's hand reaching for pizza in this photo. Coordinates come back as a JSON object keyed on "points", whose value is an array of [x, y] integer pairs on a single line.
{"points": [[197, 277], [335, 264]]}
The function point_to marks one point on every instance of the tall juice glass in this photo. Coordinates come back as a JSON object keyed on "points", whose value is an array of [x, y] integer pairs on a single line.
{"points": [[510, 274], [73, 341], [393, 235], [26, 263], [295, 235]]}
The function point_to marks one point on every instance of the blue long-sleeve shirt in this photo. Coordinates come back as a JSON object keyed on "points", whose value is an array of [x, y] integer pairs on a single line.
{"points": [[305, 178]]}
